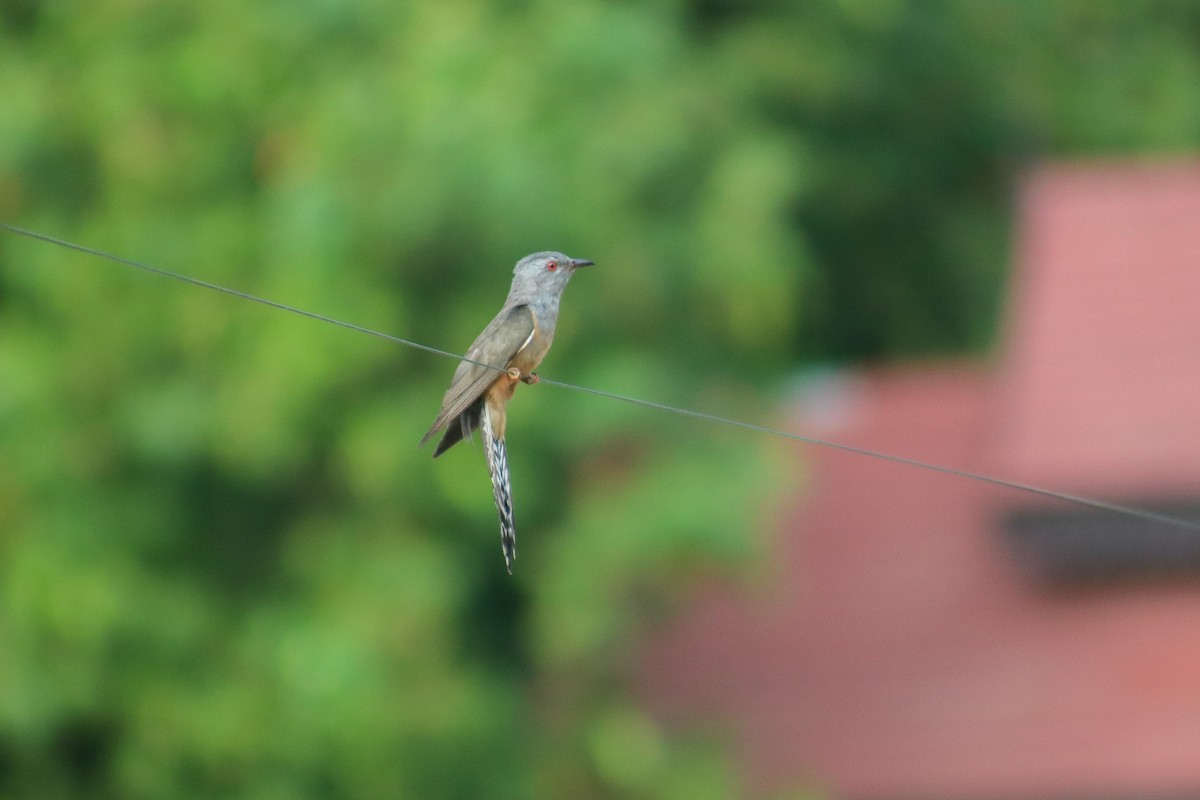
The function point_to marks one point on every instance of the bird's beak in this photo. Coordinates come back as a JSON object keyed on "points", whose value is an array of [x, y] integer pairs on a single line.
{"points": [[581, 262]]}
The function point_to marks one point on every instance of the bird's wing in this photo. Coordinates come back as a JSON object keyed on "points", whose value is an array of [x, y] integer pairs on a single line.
{"points": [[504, 337]]}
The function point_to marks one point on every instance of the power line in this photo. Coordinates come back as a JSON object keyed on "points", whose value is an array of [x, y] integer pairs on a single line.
{"points": [[911, 462], [166, 273]]}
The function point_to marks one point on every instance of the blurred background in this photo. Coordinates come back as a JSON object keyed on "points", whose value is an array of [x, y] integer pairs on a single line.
{"points": [[226, 570]]}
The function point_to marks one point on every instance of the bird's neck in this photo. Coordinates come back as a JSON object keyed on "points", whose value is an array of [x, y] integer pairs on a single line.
{"points": [[546, 309]]}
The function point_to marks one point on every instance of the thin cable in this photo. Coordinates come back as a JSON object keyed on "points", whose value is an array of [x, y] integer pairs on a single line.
{"points": [[910, 462], [166, 273]]}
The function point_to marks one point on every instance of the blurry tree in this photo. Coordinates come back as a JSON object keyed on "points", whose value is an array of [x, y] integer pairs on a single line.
{"points": [[224, 568]]}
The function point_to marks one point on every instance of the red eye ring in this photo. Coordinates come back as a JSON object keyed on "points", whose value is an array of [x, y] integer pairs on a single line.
{"points": [[552, 265]]}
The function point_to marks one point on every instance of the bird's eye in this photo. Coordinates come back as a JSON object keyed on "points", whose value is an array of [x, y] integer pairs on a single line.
{"points": [[552, 265]]}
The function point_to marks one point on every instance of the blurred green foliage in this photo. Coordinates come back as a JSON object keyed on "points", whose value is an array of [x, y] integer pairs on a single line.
{"points": [[225, 571]]}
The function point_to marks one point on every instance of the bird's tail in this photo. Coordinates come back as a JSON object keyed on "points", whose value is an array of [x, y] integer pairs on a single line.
{"points": [[497, 462]]}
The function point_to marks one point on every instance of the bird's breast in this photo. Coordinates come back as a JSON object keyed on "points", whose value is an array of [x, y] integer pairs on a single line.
{"points": [[529, 356]]}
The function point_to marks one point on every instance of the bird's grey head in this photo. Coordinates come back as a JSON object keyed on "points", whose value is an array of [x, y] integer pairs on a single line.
{"points": [[544, 273]]}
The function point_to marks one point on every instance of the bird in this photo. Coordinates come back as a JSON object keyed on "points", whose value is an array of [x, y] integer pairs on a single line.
{"points": [[505, 353]]}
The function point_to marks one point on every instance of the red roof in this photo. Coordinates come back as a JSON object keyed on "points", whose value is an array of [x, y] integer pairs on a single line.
{"points": [[1101, 383], [895, 648]]}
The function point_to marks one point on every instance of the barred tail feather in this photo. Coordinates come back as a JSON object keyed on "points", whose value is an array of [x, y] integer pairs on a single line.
{"points": [[497, 462]]}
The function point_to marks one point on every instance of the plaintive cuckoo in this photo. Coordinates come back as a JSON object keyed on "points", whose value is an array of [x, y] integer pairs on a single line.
{"points": [[511, 345]]}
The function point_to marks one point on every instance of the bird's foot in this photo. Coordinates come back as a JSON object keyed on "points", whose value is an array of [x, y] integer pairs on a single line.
{"points": [[516, 375]]}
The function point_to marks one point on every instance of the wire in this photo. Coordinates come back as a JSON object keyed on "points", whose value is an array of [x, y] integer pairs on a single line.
{"points": [[1101, 505], [234, 292], [911, 462]]}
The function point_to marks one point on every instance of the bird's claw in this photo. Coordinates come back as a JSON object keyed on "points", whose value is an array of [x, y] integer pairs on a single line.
{"points": [[516, 375]]}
